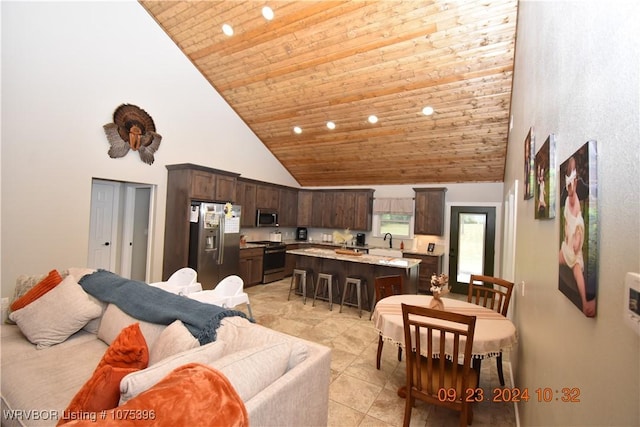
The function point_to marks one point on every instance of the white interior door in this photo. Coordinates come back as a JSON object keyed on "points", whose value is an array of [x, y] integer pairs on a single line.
{"points": [[102, 231], [135, 240]]}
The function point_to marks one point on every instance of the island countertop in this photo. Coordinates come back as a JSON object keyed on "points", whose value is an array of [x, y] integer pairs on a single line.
{"points": [[362, 259]]}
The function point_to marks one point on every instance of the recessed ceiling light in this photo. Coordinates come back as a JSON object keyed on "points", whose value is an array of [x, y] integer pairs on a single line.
{"points": [[331, 125], [267, 12], [297, 129], [373, 119], [427, 111], [227, 29]]}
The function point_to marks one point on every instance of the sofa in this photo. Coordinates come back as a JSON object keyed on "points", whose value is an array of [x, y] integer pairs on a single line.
{"points": [[278, 379]]}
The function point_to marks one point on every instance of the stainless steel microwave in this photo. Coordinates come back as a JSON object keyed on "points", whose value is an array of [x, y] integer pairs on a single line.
{"points": [[266, 218]]}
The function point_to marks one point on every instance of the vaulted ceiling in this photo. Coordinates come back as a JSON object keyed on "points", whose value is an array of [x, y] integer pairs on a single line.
{"points": [[343, 61]]}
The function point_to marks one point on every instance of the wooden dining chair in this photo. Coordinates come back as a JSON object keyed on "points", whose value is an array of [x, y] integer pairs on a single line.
{"points": [[495, 294], [444, 376], [385, 286]]}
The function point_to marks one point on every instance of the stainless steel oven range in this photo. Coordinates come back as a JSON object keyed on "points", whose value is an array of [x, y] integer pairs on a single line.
{"points": [[273, 261]]}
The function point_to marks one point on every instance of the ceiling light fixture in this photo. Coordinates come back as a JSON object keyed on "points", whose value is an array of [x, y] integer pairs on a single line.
{"points": [[331, 125], [227, 29], [427, 111], [267, 12], [297, 129], [373, 119]]}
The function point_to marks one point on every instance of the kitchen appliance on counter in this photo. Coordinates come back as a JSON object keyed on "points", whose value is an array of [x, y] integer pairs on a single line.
{"points": [[275, 236], [302, 234], [360, 239], [266, 218], [214, 241], [273, 260]]}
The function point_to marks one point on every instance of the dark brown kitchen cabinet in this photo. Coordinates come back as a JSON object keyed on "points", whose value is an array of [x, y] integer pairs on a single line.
{"points": [[305, 208], [290, 260], [203, 184], [342, 210], [288, 207], [429, 265], [225, 188], [339, 209], [329, 211], [267, 197], [246, 197], [251, 265], [317, 209], [429, 211], [187, 182], [362, 210], [209, 185]]}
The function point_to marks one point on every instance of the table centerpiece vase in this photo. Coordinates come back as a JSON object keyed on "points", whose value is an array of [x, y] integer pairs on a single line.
{"points": [[439, 287]]}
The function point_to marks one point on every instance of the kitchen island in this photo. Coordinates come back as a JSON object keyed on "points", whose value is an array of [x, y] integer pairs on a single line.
{"points": [[358, 264]]}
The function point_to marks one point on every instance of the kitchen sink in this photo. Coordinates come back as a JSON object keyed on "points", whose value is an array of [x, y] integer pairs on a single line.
{"points": [[391, 253]]}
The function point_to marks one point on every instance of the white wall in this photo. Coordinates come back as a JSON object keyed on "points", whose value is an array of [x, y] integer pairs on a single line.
{"points": [[577, 76], [66, 66]]}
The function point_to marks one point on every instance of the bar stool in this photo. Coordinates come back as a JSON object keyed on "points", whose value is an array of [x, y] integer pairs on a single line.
{"points": [[355, 282], [299, 280], [324, 284]]}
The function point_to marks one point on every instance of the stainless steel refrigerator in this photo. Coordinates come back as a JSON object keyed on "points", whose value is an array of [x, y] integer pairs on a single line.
{"points": [[214, 241]]}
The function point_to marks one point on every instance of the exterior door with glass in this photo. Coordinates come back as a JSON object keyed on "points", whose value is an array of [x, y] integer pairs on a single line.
{"points": [[472, 244]]}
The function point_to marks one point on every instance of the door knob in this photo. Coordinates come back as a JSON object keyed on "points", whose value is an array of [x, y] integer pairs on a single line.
{"points": [[106, 243]]}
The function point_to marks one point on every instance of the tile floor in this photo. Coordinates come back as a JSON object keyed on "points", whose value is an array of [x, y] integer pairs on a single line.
{"points": [[359, 394]]}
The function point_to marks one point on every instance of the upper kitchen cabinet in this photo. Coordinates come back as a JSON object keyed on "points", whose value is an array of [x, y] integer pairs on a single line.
{"points": [[362, 209], [288, 207], [202, 183], [336, 209], [305, 208], [246, 197], [429, 218], [267, 197]]}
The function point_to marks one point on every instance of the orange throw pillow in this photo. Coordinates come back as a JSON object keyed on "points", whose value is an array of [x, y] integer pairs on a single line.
{"points": [[52, 280], [128, 350], [101, 392], [126, 354], [191, 395]]}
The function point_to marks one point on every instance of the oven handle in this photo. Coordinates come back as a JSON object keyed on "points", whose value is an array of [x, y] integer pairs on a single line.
{"points": [[274, 251]]}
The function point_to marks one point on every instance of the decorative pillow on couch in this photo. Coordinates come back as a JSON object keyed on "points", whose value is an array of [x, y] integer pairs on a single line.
{"points": [[191, 395], [140, 381], [128, 350], [57, 314], [51, 280], [127, 353], [114, 320], [175, 339]]}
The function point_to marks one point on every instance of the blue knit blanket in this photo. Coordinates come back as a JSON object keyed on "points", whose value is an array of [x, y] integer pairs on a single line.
{"points": [[156, 305]]}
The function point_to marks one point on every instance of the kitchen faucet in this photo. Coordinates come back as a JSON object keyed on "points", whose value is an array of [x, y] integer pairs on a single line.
{"points": [[390, 239]]}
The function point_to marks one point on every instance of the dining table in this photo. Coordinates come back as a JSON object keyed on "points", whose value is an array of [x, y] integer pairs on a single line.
{"points": [[493, 334]]}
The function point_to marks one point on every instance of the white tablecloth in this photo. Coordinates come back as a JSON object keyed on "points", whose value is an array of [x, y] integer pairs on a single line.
{"points": [[493, 334]]}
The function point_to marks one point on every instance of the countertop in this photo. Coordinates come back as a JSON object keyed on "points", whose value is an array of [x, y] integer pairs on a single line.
{"points": [[363, 259], [336, 245]]}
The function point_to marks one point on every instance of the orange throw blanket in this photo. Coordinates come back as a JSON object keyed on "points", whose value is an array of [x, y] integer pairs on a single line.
{"points": [[191, 395]]}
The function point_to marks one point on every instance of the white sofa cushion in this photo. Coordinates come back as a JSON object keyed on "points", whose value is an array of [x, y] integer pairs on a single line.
{"points": [[253, 369], [57, 315], [241, 334], [137, 382], [114, 320], [175, 339]]}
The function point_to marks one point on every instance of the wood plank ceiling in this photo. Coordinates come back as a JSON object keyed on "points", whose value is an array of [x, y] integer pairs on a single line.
{"points": [[343, 61]]}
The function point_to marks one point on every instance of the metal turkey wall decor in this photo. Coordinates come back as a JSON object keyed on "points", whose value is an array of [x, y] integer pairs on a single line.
{"points": [[132, 129]]}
